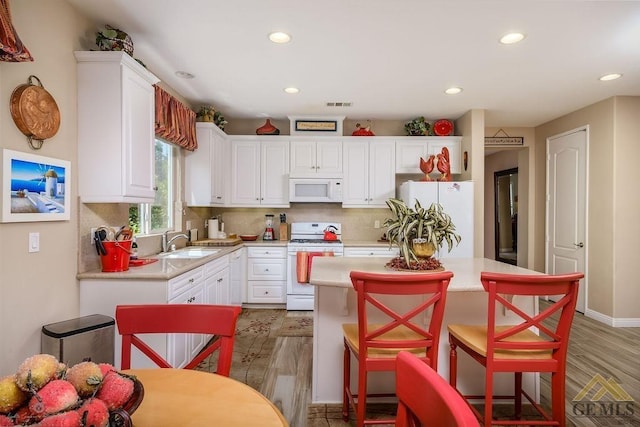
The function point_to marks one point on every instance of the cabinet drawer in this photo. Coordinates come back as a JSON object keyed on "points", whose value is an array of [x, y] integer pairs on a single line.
{"points": [[179, 284], [267, 292], [267, 269], [214, 266], [373, 251], [271, 252]]}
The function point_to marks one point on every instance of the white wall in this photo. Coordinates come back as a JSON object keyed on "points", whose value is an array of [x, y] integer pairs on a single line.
{"points": [[40, 288]]}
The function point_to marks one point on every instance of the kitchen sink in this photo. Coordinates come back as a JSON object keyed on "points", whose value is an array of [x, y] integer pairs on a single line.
{"points": [[189, 252]]}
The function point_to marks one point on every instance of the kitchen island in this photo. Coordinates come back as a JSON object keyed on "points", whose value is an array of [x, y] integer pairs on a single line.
{"points": [[335, 304]]}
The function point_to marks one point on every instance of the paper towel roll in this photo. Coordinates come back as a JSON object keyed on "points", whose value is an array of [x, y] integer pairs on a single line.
{"points": [[213, 228]]}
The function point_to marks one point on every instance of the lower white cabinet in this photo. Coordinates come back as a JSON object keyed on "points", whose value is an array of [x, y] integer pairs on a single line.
{"points": [[181, 348], [217, 281], [238, 276], [100, 296], [377, 251], [266, 274]]}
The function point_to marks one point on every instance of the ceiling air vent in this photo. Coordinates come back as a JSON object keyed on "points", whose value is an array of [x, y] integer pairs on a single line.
{"points": [[338, 104]]}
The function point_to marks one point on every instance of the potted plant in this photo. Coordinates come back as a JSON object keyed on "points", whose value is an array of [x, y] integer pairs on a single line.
{"points": [[417, 127], [419, 232], [206, 114]]}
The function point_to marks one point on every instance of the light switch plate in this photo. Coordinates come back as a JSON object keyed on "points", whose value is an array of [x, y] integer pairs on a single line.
{"points": [[34, 242]]}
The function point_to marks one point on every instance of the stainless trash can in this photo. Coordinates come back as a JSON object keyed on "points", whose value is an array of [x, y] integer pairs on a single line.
{"points": [[75, 340]]}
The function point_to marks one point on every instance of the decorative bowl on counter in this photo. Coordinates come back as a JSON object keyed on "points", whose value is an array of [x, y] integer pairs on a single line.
{"points": [[248, 237]]}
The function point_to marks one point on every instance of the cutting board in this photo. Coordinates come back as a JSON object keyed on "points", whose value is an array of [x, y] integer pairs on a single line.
{"points": [[218, 242]]}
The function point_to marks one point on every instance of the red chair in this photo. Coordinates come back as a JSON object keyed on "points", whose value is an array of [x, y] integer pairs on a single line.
{"points": [[426, 399], [375, 345], [219, 320], [517, 348]]}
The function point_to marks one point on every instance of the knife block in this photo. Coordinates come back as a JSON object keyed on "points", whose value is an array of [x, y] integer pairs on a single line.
{"points": [[284, 232]]}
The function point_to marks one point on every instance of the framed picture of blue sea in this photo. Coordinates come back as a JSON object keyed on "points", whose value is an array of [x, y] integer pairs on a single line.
{"points": [[34, 188]]}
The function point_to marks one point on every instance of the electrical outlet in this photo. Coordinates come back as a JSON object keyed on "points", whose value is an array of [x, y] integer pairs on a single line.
{"points": [[93, 235], [188, 225], [376, 224]]}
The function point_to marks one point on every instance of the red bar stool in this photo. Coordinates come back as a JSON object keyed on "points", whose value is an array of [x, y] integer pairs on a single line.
{"points": [[376, 346], [517, 348]]}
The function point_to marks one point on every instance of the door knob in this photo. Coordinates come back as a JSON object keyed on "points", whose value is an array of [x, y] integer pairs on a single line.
{"points": [[579, 245]]}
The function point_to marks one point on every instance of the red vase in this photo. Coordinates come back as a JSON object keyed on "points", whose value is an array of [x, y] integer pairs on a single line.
{"points": [[267, 129]]}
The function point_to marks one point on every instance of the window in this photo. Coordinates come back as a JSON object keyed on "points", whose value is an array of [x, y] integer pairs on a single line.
{"points": [[157, 217]]}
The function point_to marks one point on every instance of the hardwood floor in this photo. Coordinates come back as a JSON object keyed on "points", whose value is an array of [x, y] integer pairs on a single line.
{"points": [[595, 349]]}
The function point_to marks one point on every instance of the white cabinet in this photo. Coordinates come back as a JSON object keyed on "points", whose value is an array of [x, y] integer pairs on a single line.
{"points": [[266, 274], [316, 159], [100, 296], [217, 281], [206, 169], [116, 154], [410, 149], [369, 174], [260, 173], [238, 276], [376, 251], [182, 348]]}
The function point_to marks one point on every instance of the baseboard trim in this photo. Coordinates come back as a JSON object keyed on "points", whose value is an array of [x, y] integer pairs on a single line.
{"points": [[620, 322]]}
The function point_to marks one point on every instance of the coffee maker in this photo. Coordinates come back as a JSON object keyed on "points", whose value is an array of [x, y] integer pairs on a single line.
{"points": [[268, 232]]}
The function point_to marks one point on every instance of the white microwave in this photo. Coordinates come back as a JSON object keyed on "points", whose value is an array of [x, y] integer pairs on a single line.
{"points": [[316, 190]]}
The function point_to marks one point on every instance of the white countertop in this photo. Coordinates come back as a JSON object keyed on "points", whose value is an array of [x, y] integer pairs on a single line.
{"points": [[334, 271]]}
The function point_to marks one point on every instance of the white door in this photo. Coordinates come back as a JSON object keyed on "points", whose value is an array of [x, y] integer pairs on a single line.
{"points": [[566, 245], [245, 173], [382, 175], [274, 178], [329, 159], [355, 189]]}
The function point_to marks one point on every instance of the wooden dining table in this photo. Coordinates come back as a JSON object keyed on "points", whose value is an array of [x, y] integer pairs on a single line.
{"points": [[188, 398]]}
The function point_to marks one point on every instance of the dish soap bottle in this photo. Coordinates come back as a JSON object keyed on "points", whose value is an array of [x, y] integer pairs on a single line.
{"points": [[134, 249]]}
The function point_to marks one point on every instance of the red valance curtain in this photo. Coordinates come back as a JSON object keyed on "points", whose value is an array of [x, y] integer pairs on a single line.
{"points": [[175, 122], [11, 47]]}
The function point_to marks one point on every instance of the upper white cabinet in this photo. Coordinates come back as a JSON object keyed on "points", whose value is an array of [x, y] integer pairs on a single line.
{"points": [[116, 110], [409, 150], [369, 174], [316, 158], [259, 173], [206, 169]]}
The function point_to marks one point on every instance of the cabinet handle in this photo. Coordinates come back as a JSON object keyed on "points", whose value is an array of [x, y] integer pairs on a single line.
{"points": [[266, 270], [220, 280], [191, 280], [257, 198], [266, 292], [218, 197]]}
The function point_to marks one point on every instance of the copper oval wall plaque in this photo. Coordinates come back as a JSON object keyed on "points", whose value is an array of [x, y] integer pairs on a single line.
{"points": [[35, 112]]}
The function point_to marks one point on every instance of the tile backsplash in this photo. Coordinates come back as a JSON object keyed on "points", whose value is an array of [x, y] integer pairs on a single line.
{"points": [[357, 223]]}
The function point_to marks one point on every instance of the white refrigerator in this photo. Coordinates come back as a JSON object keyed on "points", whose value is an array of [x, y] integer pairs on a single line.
{"points": [[457, 200]]}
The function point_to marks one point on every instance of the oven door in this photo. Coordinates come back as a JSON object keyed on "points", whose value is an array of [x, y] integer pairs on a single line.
{"points": [[298, 275]]}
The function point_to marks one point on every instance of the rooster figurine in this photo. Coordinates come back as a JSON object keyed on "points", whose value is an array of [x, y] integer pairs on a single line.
{"points": [[427, 167], [444, 165]]}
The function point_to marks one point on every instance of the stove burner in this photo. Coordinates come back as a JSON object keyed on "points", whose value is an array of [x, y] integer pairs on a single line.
{"points": [[315, 241]]}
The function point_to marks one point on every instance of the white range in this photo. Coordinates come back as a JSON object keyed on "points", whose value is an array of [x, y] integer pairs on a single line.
{"points": [[308, 237]]}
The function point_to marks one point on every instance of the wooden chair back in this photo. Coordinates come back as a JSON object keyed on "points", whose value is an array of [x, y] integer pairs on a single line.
{"points": [[217, 320], [426, 399], [503, 288], [430, 292]]}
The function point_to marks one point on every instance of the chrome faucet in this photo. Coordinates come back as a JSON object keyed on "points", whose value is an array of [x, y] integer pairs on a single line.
{"points": [[165, 243]]}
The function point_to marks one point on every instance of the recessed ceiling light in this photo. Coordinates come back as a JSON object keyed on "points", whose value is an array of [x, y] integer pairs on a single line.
{"points": [[184, 75], [611, 76], [291, 89], [512, 38], [453, 91], [279, 37]]}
